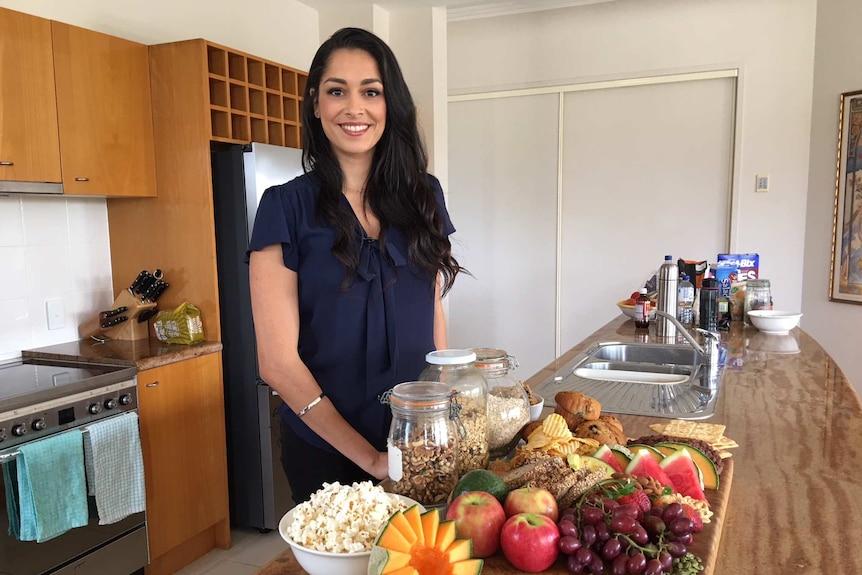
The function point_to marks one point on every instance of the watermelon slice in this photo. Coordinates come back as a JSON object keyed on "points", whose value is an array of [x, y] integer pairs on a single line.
{"points": [[682, 471], [605, 454], [645, 463]]}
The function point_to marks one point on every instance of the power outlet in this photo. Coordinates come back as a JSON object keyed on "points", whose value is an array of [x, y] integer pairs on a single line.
{"points": [[56, 310], [762, 183]]}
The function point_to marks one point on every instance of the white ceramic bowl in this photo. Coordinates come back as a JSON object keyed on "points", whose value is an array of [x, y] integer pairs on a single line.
{"points": [[774, 321], [629, 310], [323, 563], [536, 409]]}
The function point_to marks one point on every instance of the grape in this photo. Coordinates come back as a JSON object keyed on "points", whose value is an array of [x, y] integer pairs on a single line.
{"points": [[625, 525], [588, 535], [568, 517], [653, 567], [676, 549], [567, 527], [592, 515], [574, 566], [569, 511], [619, 566], [639, 535], [611, 549], [625, 510], [584, 555], [568, 545], [671, 512], [636, 563], [685, 538], [609, 503], [681, 526], [654, 525], [596, 566], [666, 561], [603, 532], [657, 511]]}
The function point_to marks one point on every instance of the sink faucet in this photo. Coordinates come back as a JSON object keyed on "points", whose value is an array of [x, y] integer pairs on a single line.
{"points": [[709, 349]]}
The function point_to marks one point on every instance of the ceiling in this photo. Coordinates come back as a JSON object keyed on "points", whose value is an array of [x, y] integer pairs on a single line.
{"points": [[463, 9]]}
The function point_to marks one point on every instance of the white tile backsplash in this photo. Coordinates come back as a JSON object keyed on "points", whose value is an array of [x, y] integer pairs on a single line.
{"points": [[51, 248]]}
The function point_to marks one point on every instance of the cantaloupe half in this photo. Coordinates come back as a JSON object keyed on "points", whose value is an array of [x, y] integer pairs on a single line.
{"points": [[420, 544]]}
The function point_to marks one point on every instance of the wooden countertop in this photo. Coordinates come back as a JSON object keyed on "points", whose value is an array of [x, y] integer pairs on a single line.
{"points": [[143, 354], [796, 501]]}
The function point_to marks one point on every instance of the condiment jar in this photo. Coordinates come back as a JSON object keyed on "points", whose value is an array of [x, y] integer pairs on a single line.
{"points": [[508, 403], [758, 295], [423, 441], [456, 368]]}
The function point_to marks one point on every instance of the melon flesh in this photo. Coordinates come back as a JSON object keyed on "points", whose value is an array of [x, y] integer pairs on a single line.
{"points": [[644, 463], [681, 470], [605, 454]]}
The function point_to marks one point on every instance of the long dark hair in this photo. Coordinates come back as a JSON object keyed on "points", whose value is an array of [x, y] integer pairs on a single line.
{"points": [[398, 190]]}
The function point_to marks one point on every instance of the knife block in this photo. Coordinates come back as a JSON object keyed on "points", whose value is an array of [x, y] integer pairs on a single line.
{"points": [[129, 330]]}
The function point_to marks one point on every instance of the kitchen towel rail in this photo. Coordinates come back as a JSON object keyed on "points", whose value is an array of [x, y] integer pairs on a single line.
{"points": [[14, 454]]}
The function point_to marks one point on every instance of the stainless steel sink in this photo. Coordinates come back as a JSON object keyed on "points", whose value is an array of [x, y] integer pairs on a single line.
{"points": [[642, 379]]}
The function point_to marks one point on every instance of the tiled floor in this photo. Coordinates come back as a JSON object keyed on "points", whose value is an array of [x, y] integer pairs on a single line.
{"points": [[250, 550]]}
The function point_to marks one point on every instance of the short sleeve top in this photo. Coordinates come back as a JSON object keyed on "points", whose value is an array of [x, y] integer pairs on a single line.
{"points": [[360, 341]]}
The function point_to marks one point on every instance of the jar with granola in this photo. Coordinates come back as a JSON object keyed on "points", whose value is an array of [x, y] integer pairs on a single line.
{"points": [[508, 404], [457, 369], [423, 441]]}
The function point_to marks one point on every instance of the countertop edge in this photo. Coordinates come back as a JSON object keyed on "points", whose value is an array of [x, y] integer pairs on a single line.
{"points": [[144, 355]]}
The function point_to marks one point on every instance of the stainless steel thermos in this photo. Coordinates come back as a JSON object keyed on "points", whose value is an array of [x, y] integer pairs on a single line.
{"points": [[668, 284]]}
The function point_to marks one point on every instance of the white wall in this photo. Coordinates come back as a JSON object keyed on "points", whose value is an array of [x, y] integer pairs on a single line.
{"points": [[836, 70]]}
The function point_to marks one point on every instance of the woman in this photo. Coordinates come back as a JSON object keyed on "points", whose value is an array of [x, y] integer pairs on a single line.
{"points": [[348, 264]]}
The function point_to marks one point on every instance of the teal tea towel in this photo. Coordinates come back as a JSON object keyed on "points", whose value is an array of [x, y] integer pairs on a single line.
{"points": [[52, 490], [115, 467], [10, 483]]}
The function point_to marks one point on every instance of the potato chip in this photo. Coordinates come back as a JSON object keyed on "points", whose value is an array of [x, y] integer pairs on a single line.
{"points": [[563, 449], [539, 440], [555, 426]]}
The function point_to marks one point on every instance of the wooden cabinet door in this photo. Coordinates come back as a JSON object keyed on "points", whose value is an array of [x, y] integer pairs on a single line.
{"points": [[105, 115], [181, 410], [29, 144]]}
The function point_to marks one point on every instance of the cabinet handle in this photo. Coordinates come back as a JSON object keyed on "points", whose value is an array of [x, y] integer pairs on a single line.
{"points": [[7, 163], [82, 179], [154, 384]]}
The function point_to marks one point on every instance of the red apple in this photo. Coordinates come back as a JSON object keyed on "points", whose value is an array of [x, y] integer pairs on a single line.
{"points": [[529, 541], [531, 500], [480, 517]]}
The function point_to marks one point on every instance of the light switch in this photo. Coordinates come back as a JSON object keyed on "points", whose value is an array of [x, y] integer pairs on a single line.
{"points": [[762, 183], [56, 314]]}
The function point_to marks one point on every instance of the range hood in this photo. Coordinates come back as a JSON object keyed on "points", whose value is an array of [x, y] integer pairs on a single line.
{"points": [[15, 187]]}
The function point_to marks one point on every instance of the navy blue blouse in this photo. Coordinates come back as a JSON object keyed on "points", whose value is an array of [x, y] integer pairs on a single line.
{"points": [[361, 341]]}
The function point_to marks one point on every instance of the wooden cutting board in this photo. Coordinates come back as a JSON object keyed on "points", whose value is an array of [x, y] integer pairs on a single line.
{"points": [[705, 545]]}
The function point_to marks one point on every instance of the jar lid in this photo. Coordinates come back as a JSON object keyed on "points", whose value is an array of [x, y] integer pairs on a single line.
{"points": [[451, 357], [421, 394], [489, 354], [758, 283]]}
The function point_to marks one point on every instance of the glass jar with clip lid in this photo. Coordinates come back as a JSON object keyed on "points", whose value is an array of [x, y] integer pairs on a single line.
{"points": [[456, 368], [423, 441], [508, 403]]}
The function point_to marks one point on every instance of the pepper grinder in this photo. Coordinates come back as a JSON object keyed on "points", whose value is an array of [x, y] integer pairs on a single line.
{"points": [[668, 283]]}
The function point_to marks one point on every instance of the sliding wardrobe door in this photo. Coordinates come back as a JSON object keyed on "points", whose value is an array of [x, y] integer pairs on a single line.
{"points": [[646, 172], [502, 197]]}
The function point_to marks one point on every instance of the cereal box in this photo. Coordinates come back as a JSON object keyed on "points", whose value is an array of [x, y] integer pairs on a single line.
{"points": [[747, 264]]}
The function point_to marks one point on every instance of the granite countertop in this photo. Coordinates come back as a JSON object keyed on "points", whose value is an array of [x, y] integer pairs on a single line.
{"points": [[143, 354]]}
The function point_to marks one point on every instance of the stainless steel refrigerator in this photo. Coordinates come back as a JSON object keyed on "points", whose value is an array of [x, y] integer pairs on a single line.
{"points": [[259, 493]]}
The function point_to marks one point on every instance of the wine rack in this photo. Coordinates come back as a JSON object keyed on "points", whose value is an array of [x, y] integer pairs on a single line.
{"points": [[252, 99]]}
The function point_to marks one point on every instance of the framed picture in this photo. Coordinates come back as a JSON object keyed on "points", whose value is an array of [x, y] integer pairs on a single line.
{"points": [[846, 265]]}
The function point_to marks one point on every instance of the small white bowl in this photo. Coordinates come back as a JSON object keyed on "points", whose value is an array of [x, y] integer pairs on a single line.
{"points": [[324, 563], [774, 321], [630, 312], [536, 409]]}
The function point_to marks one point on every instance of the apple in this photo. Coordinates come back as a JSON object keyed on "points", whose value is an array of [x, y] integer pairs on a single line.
{"points": [[529, 541], [531, 500], [480, 517]]}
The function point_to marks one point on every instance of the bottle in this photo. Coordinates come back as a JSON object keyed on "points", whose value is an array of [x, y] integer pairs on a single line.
{"points": [[457, 369], [668, 283], [423, 441], [508, 403], [685, 302], [708, 316], [643, 307]]}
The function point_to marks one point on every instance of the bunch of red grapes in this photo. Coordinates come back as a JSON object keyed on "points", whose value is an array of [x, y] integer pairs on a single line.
{"points": [[604, 536]]}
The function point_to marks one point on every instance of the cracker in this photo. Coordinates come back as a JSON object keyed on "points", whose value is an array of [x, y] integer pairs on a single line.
{"points": [[724, 443], [724, 454], [708, 432]]}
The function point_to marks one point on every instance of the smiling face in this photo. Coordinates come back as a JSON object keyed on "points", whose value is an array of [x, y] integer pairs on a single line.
{"points": [[351, 105]]}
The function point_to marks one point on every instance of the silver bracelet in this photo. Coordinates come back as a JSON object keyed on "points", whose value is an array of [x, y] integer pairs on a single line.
{"points": [[308, 407]]}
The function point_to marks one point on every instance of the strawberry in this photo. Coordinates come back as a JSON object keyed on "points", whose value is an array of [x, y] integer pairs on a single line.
{"points": [[639, 499], [694, 515]]}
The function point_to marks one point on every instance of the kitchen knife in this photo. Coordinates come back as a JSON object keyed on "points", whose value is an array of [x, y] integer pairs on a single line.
{"points": [[161, 286], [138, 280], [113, 312], [147, 314], [150, 291], [114, 321], [147, 282]]}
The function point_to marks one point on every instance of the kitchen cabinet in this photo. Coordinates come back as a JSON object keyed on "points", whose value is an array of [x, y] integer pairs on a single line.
{"points": [[104, 112], [181, 409], [29, 141]]}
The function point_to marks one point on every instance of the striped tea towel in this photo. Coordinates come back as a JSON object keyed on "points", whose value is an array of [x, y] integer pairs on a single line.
{"points": [[115, 467], [52, 490], [10, 482]]}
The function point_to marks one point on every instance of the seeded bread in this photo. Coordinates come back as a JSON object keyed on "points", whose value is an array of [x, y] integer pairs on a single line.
{"points": [[538, 470]]}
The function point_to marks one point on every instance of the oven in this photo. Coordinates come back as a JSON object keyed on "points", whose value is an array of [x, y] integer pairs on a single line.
{"points": [[39, 398]]}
